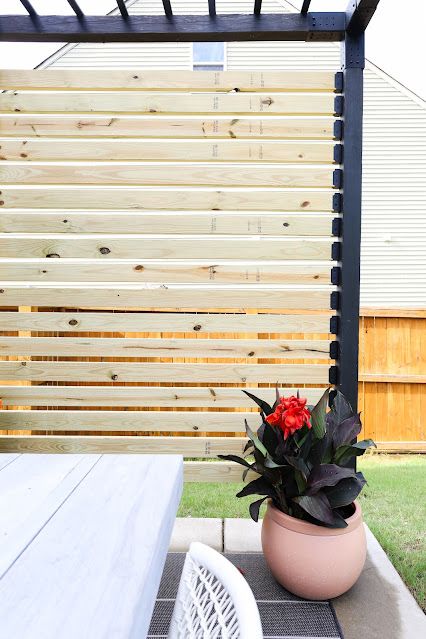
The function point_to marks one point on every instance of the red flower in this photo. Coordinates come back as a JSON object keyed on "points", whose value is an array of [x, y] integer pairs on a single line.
{"points": [[290, 415]]}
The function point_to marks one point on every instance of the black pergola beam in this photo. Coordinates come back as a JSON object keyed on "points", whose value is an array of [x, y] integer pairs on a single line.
{"points": [[323, 27], [359, 14], [305, 6]]}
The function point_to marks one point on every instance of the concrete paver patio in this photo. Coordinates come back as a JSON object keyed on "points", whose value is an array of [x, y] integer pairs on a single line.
{"points": [[379, 606]]}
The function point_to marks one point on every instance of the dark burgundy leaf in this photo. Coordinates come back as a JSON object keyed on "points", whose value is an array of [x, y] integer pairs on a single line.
{"points": [[345, 492], [319, 508], [259, 486], [327, 475], [255, 507], [347, 431], [267, 409]]}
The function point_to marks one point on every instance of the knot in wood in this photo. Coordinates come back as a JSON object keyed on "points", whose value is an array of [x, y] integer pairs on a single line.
{"points": [[104, 250]]}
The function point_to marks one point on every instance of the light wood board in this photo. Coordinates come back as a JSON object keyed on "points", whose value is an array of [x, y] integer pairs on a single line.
{"points": [[281, 374], [196, 323]]}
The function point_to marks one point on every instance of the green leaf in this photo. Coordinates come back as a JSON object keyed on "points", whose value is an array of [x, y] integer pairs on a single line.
{"points": [[344, 453], [318, 416], [327, 475], [319, 508], [255, 439], [255, 507], [300, 481]]}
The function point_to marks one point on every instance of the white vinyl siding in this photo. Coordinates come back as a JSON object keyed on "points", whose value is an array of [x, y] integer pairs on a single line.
{"points": [[393, 264]]}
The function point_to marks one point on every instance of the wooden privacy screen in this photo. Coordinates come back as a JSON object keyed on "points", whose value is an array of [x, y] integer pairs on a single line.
{"points": [[166, 240]]}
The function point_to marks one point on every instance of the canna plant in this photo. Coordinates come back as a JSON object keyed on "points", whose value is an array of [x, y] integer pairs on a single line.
{"points": [[303, 457]]}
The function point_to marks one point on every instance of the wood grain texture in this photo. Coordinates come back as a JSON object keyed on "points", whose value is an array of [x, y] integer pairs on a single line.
{"points": [[146, 102], [179, 222], [200, 272], [193, 323], [164, 247], [230, 128], [173, 296], [164, 347], [139, 421], [166, 174], [103, 149], [137, 79], [152, 396], [113, 499], [170, 198], [205, 447], [164, 372], [214, 472]]}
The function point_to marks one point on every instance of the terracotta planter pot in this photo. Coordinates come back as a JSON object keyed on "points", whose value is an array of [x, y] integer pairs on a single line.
{"points": [[312, 561]]}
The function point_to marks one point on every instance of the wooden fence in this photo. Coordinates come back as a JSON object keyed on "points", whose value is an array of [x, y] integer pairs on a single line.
{"points": [[153, 226], [153, 229]]}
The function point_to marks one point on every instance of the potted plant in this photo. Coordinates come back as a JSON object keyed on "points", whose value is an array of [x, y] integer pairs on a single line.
{"points": [[313, 538]]}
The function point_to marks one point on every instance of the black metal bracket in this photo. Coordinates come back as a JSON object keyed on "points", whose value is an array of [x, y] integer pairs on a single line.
{"points": [[338, 152], [335, 300], [338, 82], [353, 52], [337, 202], [334, 350], [338, 105], [334, 325], [336, 227], [337, 178], [336, 275], [338, 129], [333, 375]]}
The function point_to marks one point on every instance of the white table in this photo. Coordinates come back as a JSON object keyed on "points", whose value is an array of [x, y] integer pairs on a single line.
{"points": [[83, 541]]}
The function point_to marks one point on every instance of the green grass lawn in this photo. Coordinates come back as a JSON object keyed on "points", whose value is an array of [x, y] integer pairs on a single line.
{"points": [[394, 505]]}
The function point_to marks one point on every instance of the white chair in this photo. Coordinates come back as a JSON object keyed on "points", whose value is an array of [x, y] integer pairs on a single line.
{"points": [[214, 601]]}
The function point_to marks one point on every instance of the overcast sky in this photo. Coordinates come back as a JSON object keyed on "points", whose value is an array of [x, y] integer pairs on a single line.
{"points": [[395, 38]]}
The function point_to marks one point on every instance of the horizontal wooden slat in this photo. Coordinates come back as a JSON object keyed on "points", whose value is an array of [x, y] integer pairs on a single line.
{"points": [[167, 322], [31, 149], [165, 174], [164, 347], [128, 79], [310, 128], [392, 378], [214, 472], [145, 102], [122, 420], [201, 272], [172, 296], [188, 446], [199, 222], [167, 198], [183, 397], [164, 247], [164, 372]]}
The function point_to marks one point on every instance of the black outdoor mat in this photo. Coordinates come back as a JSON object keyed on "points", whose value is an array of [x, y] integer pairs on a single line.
{"points": [[283, 615]]}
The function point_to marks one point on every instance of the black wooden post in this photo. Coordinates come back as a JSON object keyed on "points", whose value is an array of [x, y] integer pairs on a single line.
{"points": [[353, 62]]}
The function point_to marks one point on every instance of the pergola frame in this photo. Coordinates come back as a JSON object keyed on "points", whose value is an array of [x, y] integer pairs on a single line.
{"points": [[347, 27]]}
